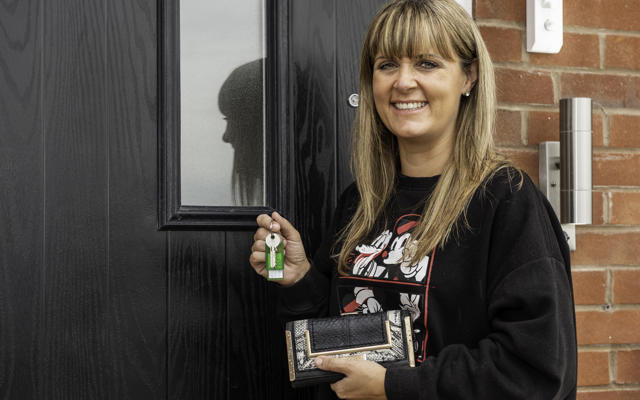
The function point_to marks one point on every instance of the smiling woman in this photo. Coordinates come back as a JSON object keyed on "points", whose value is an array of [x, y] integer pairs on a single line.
{"points": [[418, 100], [439, 224]]}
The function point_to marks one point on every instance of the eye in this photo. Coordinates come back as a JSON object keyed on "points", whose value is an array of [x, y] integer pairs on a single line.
{"points": [[427, 64], [385, 65]]}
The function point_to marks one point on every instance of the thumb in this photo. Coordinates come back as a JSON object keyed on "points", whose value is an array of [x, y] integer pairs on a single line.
{"points": [[333, 364], [286, 228]]}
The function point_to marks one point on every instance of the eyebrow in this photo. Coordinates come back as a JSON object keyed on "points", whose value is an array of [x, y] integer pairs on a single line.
{"points": [[429, 55]]}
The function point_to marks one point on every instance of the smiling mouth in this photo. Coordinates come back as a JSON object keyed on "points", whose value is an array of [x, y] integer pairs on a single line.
{"points": [[410, 106]]}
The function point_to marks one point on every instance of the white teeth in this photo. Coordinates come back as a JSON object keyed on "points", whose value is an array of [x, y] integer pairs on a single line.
{"points": [[409, 106]]}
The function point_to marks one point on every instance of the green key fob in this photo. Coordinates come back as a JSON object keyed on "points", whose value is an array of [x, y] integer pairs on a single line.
{"points": [[274, 249]]}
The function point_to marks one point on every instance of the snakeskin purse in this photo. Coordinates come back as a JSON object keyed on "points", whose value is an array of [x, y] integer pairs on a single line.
{"points": [[384, 337]]}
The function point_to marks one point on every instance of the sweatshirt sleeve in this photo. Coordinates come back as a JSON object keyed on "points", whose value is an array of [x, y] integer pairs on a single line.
{"points": [[309, 297], [530, 351]]}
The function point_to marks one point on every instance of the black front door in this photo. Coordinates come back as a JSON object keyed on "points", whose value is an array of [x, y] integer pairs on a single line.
{"points": [[325, 45], [95, 302]]}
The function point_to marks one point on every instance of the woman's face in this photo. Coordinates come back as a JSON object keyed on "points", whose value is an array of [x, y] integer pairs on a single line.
{"points": [[418, 99]]}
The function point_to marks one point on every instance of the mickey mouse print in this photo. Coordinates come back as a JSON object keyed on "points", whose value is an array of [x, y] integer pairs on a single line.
{"points": [[383, 277]]}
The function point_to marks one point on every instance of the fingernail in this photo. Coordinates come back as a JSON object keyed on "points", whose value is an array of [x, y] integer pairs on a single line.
{"points": [[318, 362]]}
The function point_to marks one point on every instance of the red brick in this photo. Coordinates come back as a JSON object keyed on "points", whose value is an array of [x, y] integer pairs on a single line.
{"points": [[606, 248], [610, 395], [508, 127], [589, 286], [622, 52], [504, 44], [610, 14], [608, 90], [577, 51], [624, 130], [598, 203], [599, 327], [628, 367], [524, 159], [593, 368], [515, 86], [626, 287], [625, 208], [616, 169], [509, 10], [545, 126]]}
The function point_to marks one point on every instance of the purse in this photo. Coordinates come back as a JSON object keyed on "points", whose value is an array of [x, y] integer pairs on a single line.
{"points": [[385, 337]]}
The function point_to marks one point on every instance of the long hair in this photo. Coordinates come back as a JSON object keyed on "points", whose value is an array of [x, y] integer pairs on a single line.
{"points": [[408, 28]]}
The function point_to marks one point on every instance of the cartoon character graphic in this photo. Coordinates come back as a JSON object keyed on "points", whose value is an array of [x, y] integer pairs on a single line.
{"points": [[383, 277], [389, 255], [364, 264], [411, 303], [367, 301]]}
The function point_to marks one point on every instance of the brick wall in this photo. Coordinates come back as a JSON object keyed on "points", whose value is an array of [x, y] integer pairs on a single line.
{"points": [[600, 59]]}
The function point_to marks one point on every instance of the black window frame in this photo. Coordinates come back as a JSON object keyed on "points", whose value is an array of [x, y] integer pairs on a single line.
{"points": [[171, 213]]}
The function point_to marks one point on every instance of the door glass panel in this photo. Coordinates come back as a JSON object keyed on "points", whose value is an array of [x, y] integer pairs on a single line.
{"points": [[222, 51]]}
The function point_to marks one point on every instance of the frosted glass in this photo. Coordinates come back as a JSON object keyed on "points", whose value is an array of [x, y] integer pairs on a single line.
{"points": [[222, 55]]}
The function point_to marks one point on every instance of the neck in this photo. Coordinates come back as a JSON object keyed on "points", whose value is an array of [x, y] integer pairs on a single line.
{"points": [[424, 160]]}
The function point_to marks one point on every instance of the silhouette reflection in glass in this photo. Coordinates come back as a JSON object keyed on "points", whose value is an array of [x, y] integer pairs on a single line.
{"points": [[241, 102]]}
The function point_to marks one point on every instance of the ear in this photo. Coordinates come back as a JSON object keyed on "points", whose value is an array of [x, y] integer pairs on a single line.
{"points": [[472, 76]]}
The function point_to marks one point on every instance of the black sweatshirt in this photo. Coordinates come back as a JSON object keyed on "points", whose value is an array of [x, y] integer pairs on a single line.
{"points": [[493, 310]]}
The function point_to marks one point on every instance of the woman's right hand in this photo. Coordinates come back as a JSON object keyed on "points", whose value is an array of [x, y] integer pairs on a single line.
{"points": [[296, 263]]}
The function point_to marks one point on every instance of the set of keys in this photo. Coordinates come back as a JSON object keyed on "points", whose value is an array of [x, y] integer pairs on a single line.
{"points": [[274, 249]]}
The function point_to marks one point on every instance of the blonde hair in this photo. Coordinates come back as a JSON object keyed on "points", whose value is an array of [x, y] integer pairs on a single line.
{"points": [[406, 28]]}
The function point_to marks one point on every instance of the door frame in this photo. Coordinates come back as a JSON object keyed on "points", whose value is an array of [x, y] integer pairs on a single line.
{"points": [[172, 214]]}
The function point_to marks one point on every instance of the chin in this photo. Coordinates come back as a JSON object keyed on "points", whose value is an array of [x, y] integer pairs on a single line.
{"points": [[411, 135]]}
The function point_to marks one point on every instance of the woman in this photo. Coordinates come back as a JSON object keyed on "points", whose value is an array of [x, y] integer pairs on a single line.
{"points": [[438, 224]]}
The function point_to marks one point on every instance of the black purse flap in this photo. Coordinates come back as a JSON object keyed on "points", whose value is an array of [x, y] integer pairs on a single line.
{"points": [[348, 332]]}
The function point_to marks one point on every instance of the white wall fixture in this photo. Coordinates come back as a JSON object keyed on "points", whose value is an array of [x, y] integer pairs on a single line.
{"points": [[544, 26], [467, 5], [565, 167]]}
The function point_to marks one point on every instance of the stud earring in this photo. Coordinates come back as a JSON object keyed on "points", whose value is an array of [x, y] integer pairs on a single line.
{"points": [[467, 94]]}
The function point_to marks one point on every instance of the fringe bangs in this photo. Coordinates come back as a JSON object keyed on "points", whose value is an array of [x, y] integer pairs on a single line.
{"points": [[408, 30]]}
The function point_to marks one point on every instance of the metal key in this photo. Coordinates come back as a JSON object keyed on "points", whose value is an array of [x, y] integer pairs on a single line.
{"points": [[274, 249]]}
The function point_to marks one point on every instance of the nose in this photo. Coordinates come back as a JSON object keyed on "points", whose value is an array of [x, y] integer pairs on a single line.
{"points": [[405, 78], [226, 136]]}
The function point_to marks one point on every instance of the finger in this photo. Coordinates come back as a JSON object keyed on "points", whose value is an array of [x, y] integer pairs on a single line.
{"points": [[268, 224], [258, 246], [257, 261], [260, 234], [333, 364], [284, 226], [264, 221], [337, 388]]}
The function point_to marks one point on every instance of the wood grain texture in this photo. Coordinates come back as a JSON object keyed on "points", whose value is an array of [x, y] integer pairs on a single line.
{"points": [[73, 330], [313, 72], [198, 337], [258, 365], [137, 251], [353, 19], [95, 303], [21, 198], [249, 310]]}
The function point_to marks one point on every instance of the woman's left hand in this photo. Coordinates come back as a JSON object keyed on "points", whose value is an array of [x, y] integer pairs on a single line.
{"points": [[363, 379]]}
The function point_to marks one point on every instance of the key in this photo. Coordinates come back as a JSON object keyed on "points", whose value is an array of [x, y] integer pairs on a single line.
{"points": [[274, 249]]}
